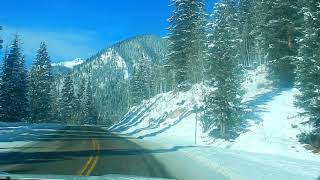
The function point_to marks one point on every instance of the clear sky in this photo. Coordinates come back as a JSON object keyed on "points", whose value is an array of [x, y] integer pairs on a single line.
{"points": [[80, 28]]}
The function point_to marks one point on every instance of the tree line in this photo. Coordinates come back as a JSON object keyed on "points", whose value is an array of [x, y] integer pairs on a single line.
{"points": [[31, 96]]}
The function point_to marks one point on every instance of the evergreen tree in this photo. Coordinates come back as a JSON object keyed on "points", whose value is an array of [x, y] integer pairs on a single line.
{"points": [[56, 99], [308, 71], [40, 86], [280, 32], [141, 82], [223, 107], [247, 25], [23, 96], [186, 38], [90, 112], [81, 96], [257, 13], [146, 77], [14, 87], [67, 102]]}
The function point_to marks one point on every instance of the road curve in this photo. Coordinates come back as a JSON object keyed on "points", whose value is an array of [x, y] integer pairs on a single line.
{"points": [[83, 151]]}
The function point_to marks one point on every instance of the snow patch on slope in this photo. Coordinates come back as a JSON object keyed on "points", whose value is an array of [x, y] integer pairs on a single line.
{"points": [[274, 134], [256, 82], [112, 56]]}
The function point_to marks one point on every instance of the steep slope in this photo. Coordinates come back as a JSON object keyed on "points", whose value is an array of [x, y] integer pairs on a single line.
{"points": [[272, 124], [109, 72]]}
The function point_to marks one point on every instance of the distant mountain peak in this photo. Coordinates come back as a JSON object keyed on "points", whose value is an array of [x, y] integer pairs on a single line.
{"points": [[69, 64]]}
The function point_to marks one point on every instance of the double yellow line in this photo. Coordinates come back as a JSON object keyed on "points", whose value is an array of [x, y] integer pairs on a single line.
{"points": [[92, 161]]}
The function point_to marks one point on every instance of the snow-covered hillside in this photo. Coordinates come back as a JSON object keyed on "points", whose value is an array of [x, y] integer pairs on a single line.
{"points": [[69, 64], [109, 72], [273, 122]]}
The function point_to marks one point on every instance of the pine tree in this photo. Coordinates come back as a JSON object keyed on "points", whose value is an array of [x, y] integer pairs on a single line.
{"points": [[67, 100], [145, 77], [308, 64], [2, 90], [258, 19], [40, 86], [223, 107], [186, 38], [280, 33], [135, 88], [90, 112], [247, 25], [14, 87], [23, 96], [81, 96], [141, 82]]}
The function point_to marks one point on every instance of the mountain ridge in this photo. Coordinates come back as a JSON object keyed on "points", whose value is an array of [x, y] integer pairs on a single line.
{"points": [[109, 73]]}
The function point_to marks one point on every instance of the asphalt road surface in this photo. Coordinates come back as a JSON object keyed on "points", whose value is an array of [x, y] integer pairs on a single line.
{"points": [[87, 151], [92, 151]]}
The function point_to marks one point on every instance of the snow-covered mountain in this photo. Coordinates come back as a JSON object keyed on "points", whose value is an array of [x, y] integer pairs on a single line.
{"points": [[69, 64], [65, 67], [109, 72]]}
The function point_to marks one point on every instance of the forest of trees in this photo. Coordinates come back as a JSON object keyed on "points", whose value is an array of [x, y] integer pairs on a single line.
{"points": [[283, 36], [31, 96]]}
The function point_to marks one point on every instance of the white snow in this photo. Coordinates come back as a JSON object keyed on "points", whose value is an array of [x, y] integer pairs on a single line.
{"points": [[242, 165], [70, 64], [275, 135], [256, 83], [16, 135], [107, 55], [234, 164], [117, 60], [270, 139]]}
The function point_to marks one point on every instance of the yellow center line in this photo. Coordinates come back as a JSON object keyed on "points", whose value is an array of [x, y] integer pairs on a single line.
{"points": [[92, 161], [85, 167], [93, 165]]}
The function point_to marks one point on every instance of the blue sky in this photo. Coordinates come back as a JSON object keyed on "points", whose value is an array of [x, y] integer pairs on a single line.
{"points": [[80, 28]]}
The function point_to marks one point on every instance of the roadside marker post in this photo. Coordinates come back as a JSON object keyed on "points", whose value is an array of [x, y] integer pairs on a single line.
{"points": [[196, 129], [197, 110]]}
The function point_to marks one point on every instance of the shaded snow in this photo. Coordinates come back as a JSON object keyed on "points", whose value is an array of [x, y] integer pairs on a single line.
{"points": [[15, 135]]}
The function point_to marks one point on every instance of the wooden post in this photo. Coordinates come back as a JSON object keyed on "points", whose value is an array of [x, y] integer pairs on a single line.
{"points": [[196, 128]]}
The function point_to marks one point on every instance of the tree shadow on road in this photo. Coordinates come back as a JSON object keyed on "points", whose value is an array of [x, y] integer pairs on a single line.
{"points": [[8, 158], [119, 161]]}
